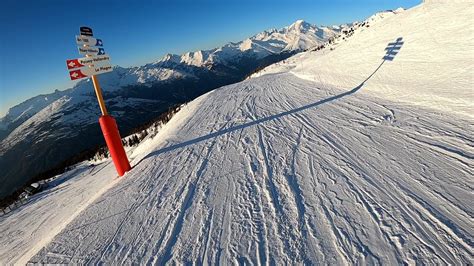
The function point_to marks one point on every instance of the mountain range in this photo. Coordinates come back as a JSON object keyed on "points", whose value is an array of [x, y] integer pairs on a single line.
{"points": [[43, 131]]}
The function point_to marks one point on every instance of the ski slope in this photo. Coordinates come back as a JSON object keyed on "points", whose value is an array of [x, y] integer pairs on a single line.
{"points": [[287, 171], [27, 229], [291, 166], [433, 68]]}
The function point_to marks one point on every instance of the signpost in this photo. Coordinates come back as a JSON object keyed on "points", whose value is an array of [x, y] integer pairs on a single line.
{"points": [[97, 62], [89, 72], [87, 40], [91, 51], [86, 31], [87, 61]]}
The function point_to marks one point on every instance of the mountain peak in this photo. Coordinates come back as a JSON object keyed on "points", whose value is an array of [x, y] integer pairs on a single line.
{"points": [[170, 57], [299, 22], [300, 26]]}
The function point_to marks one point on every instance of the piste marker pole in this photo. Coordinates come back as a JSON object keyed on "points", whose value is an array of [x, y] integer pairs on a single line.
{"points": [[107, 123], [98, 93]]}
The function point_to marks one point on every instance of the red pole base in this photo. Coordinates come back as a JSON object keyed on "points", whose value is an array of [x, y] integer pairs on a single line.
{"points": [[114, 142]]}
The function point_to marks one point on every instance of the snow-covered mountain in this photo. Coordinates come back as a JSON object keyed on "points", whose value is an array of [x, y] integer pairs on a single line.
{"points": [[58, 125], [350, 154], [21, 112], [299, 36]]}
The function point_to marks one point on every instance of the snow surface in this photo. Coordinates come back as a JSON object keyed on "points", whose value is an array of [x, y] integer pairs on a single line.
{"points": [[287, 171], [293, 166], [32, 226], [433, 68]]}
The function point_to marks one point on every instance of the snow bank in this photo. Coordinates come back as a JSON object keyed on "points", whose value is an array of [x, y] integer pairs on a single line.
{"points": [[433, 68], [27, 229]]}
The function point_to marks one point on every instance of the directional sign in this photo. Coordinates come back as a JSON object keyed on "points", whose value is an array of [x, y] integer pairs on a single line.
{"points": [[86, 31], [89, 71], [76, 74], [87, 61], [91, 50], [86, 40]]}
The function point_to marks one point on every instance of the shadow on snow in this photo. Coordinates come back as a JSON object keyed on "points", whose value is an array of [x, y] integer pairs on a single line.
{"points": [[258, 121], [392, 49]]}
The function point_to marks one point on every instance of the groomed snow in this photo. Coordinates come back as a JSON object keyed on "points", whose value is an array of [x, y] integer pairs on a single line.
{"points": [[294, 166], [287, 171], [29, 228], [433, 68]]}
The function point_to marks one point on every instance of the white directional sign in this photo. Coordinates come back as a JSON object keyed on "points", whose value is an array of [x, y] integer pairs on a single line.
{"points": [[87, 61], [91, 50], [96, 61], [87, 40], [89, 71]]}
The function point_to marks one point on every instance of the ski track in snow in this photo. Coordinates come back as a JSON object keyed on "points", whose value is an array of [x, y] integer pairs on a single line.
{"points": [[288, 171], [27, 229]]}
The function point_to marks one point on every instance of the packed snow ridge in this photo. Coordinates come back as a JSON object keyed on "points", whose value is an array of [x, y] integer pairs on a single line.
{"points": [[351, 154]]}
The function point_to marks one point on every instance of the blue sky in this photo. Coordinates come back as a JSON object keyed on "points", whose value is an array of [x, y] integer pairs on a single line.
{"points": [[38, 36]]}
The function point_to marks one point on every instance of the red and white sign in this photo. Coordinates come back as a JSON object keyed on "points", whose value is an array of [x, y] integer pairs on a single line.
{"points": [[76, 74], [87, 61], [73, 63], [89, 71]]}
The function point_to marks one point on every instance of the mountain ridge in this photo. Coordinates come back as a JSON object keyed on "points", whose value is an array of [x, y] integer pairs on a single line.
{"points": [[171, 60], [43, 132]]}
